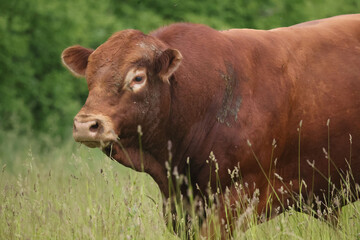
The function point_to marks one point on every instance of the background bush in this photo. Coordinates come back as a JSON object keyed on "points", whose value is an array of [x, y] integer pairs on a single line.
{"points": [[38, 97]]}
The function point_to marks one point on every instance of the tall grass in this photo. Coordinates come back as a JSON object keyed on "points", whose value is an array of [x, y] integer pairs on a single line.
{"points": [[319, 220], [74, 192], [84, 195]]}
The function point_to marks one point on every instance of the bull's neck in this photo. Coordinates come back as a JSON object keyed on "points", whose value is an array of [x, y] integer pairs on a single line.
{"points": [[193, 121]]}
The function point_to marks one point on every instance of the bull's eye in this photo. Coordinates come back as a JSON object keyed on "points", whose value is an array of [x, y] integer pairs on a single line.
{"points": [[138, 79]]}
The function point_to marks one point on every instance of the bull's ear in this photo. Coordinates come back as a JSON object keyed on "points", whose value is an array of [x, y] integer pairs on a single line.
{"points": [[75, 58], [167, 63]]}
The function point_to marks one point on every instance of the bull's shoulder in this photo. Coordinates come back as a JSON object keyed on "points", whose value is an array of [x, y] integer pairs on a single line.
{"points": [[182, 30], [195, 40]]}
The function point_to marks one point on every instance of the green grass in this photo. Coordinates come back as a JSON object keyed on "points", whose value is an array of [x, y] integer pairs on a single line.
{"points": [[78, 193]]}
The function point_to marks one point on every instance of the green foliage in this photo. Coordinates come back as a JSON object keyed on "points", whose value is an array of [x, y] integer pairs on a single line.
{"points": [[37, 95]]}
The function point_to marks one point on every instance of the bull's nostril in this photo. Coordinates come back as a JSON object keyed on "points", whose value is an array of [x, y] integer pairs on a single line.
{"points": [[94, 127]]}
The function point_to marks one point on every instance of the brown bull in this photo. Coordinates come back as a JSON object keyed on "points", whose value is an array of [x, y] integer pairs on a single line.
{"points": [[233, 93]]}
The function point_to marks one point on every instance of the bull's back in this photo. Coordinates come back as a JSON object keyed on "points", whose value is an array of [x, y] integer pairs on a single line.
{"points": [[309, 72], [326, 76]]}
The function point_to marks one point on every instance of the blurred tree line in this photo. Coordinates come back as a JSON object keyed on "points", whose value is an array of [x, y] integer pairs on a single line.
{"points": [[38, 96]]}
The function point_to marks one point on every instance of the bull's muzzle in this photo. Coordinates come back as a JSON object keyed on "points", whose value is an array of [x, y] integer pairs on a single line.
{"points": [[93, 130]]}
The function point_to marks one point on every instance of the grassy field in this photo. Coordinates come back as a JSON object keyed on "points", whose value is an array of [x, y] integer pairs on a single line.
{"points": [[78, 193]]}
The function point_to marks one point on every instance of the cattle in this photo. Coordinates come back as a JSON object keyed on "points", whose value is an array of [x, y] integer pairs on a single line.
{"points": [[279, 106]]}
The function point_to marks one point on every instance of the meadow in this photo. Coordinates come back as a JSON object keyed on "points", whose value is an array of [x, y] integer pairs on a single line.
{"points": [[75, 192]]}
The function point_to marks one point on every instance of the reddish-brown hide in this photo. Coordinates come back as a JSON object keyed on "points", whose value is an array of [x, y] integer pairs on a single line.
{"points": [[204, 90]]}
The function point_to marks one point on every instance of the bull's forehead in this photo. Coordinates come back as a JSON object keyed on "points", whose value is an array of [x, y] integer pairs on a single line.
{"points": [[123, 47], [122, 51]]}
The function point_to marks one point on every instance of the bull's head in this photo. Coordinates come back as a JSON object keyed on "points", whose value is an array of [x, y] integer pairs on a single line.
{"points": [[128, 81]]}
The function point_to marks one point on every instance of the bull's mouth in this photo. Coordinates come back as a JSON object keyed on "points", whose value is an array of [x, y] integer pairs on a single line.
{"points": [[96, 144], [105, 147]]}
